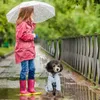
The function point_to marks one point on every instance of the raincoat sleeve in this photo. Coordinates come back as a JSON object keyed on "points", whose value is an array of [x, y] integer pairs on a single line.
{"points": [[22, 33], [34, 26]]}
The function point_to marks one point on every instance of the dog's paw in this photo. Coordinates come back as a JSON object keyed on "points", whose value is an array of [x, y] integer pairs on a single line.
{"points": [[58, 94], [50, 94], [47, 95]]}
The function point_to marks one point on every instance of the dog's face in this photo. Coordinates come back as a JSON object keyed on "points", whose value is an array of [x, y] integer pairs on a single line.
{"points": [[54, 66]]}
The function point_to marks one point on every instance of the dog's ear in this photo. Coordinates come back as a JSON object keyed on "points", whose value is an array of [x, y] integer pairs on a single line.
{"points": [[48, 66], [61, 67]]}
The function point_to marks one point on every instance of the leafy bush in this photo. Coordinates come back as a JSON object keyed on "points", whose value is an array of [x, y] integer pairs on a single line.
{"points": [[7, 30], [4, 51], [73, 17]]}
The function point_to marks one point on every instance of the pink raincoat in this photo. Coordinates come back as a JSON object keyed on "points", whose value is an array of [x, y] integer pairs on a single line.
{"points": [[24, 48]]}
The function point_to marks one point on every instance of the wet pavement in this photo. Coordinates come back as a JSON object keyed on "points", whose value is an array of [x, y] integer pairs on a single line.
{"points": [[9, 81]]}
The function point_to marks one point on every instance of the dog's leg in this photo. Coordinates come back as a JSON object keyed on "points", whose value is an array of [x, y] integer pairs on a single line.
{"points": [[49, 83], [58, 84], [49, 88], [54, 88]]}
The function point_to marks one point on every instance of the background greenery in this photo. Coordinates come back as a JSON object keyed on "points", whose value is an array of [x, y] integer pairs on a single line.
{"points": [[4, 51], [7, 30], [73, 17]]}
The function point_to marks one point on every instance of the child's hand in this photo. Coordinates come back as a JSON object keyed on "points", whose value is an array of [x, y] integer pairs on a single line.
{"points": [[35, 35]]}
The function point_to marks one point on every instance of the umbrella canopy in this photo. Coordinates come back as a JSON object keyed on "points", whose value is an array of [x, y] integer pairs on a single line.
{"points": [[42, 11]]}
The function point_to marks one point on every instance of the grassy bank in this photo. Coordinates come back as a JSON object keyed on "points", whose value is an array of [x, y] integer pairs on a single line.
{"points": [[4, 51]]}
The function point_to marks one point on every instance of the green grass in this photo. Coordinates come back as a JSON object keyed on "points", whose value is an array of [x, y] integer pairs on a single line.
{"points": [[4, 51]]}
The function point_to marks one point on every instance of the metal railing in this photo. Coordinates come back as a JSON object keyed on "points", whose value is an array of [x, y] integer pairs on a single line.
{"points": [[81, 53]]}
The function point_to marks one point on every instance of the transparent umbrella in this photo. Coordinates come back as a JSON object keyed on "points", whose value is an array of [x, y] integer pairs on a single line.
{"points": [[42, 11]]}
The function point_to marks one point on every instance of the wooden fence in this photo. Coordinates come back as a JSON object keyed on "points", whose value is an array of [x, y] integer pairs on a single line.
{"points": [[81, 53]]}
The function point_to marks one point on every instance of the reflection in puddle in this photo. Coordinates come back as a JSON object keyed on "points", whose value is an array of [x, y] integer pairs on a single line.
{"points": [[30, 98], [27, 98], [74, 91], [70, 90]]}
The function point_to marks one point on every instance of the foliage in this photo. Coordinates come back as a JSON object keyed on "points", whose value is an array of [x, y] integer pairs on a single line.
{"points": [[4, 51], [7, 30], [73, 17]]}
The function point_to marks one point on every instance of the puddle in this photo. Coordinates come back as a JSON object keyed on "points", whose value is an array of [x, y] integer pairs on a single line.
{"points": [[9, 93], [74, 91], [12, 94]]}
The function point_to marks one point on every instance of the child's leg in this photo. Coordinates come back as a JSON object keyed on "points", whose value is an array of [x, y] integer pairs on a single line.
{"points": [[31, 67], [31, 73], [23, 73], [58, 84], [23, 70]]}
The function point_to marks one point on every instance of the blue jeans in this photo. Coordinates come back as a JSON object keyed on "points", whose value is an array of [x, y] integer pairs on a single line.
{"points": [[27, 66]]}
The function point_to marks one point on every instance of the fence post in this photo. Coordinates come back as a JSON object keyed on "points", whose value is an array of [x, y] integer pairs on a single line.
{"points": [[95, 57], [83, 54], [52, 48], [90, 57], [87, 54], [62, 49], [57, 50], [98, 65]]}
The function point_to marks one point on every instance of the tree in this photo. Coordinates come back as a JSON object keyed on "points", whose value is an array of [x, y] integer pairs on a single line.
{"points": [[5, 1], [73, 17]]}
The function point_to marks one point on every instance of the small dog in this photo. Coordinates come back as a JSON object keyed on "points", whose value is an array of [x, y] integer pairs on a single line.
{"points": [[53, 87]]}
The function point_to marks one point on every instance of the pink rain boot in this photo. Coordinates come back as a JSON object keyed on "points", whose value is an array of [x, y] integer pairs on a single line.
{"points": [[31, 84], [23, 90]]}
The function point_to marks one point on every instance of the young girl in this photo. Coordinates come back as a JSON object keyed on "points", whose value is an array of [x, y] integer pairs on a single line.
{"points": [[25, 49]]}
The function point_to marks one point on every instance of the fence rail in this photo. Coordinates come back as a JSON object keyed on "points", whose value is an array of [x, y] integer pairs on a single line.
{"points": [[81, 53]]}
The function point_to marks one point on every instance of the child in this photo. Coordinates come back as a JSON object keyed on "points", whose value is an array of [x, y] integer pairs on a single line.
{"points": [[25, 49]]}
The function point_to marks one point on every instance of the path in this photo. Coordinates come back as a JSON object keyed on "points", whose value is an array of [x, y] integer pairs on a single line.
{"points": [[9, 80]]}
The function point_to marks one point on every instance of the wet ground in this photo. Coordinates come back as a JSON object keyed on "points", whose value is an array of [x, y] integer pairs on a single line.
{"points": [[71, 89]]}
